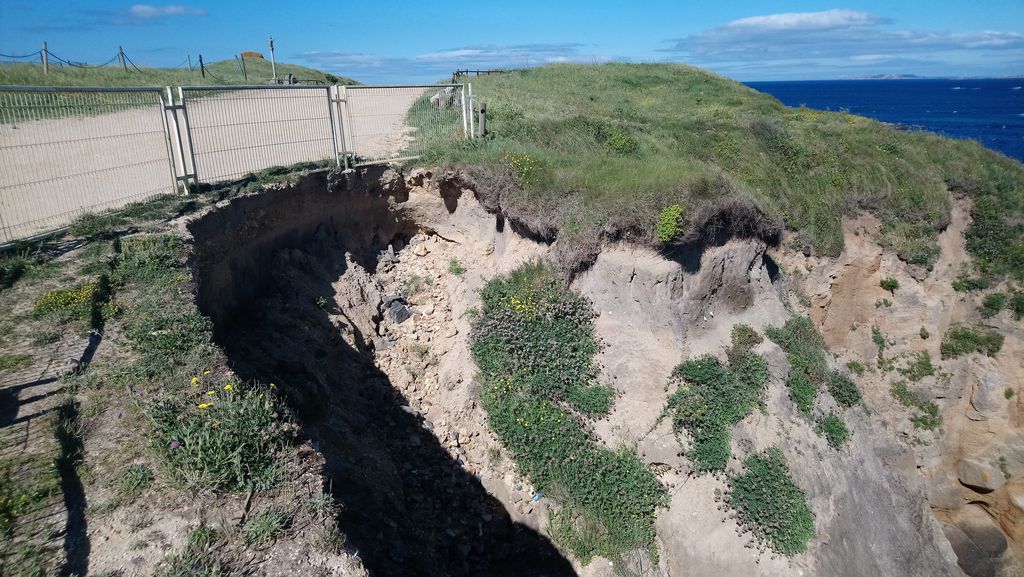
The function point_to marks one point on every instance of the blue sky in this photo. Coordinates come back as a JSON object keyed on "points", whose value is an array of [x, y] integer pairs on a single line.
{"points": [[385, 41]]}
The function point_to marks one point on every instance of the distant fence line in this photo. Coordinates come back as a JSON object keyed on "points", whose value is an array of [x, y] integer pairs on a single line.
{"points": [[68, 151]]}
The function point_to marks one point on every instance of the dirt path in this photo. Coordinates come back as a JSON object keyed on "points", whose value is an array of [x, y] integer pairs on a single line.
{"points": [[53, 170]]}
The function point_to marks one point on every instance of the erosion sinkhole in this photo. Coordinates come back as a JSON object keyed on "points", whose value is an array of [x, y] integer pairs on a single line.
{"points": [[288, 278]]}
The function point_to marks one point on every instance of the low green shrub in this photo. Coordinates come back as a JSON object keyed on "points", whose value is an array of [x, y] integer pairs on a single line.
{"points": [[926, 414], [1008, 393], [992, 304], [889, 284], [925, 335], [534, 344], [834, 430], [965, 283], [856, 367], [670, 223], [962, 340], [768, 502], [224, 438], [843, 390], [1017, 304], [806, 352], [711, 397], [743, 336], [919, 367]]}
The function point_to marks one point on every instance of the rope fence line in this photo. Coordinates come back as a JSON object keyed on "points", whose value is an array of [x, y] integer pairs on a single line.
{"points": [[69, 151]]}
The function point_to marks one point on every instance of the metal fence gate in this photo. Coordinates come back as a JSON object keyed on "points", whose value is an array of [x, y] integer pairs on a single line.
{"points": [[68, 151]]}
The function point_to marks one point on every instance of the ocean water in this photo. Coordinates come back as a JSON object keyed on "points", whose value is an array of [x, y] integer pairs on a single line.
{"points": [[988, 110]]}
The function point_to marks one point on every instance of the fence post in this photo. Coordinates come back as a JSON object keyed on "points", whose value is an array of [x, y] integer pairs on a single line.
{"points": [[244, 73], [465, 117], [177, 140], [334, 133], [201, 67], [188, 132], [472, 121], [346, 121], [165, 107], [190, 63], [481, 129], [44, 56], [120, 57]]}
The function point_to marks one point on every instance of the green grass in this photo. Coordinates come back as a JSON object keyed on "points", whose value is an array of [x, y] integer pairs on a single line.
{"points": [[710, 398], [534, 344], [264, 527], [14, 362], [962, 340], [224, 72], [612, 145], [834, 430], [768, 502], [856, 367], [456, 268], [202, 556], [807, 365]]}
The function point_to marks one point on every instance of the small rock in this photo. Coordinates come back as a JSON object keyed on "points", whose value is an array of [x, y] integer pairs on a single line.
{"points": [[979, 476], [421, 250]]}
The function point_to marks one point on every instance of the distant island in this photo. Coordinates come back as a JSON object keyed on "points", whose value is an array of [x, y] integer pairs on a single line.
{"points": [[891, 77]]}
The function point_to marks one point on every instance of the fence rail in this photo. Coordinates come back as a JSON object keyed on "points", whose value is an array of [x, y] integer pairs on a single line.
{"points": [[68, 151]]}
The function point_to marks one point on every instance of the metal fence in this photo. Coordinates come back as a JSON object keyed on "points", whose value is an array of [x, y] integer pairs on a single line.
{"points": [[67, 151], [64, 152]]}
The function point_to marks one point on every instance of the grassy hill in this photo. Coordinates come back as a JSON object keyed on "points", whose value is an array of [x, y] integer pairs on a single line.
{"points": [[225, 72], [585, 152]]}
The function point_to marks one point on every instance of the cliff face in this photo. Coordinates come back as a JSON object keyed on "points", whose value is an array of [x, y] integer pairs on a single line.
{"points": [[390, 398]]}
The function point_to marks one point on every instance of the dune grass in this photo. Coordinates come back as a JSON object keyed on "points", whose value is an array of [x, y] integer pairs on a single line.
{"points": [[225, 72], [609, 146]]}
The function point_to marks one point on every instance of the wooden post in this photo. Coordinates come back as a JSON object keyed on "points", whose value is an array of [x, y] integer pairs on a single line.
{"points": [[190, 63], [201, 67], [481, 127], [44, 55], [244, 73], [120, 56]]}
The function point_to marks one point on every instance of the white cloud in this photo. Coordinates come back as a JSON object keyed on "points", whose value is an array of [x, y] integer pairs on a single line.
{"points": [[148, 12], [806, 41], [829, 19]]}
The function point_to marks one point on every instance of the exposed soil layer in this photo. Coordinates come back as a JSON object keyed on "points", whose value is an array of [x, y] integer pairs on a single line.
{"points": [[290, 279]]}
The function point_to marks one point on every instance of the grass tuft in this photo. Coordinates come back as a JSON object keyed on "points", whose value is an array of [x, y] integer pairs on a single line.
{"points": [[834, 430]]}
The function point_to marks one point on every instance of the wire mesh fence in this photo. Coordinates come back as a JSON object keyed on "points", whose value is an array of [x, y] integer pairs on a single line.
{"points": [[235, 131], [390, 122], [64, 152], [67, 151]]}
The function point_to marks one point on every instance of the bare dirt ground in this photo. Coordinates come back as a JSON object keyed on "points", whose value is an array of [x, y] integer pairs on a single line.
{"points": [[53, 170]]}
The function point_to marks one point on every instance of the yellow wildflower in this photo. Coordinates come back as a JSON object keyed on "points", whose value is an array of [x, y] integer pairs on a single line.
{"points": [[228, 387], [211, 392], [195, 380], [205, 405], [206, 372]]}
